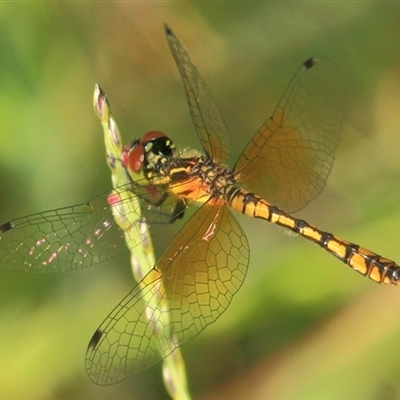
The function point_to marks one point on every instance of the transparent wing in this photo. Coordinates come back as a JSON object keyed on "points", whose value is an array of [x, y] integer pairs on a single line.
{"points": [[207, 119], [189, 288], [82, 235], [289, 158]]}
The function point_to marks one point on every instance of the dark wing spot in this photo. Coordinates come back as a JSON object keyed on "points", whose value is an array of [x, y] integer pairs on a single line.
{"points": [[310, 62], [94, 341], [6, 227], [167, 30]]}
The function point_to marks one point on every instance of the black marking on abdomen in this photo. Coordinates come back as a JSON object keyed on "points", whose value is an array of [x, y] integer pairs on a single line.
{"points": [[300, 225], [351, 249], [326, 238], [247, 199]]}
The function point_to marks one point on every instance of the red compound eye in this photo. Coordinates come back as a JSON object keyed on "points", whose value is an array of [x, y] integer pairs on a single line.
{"points": [[149, 136], [136, 158]]}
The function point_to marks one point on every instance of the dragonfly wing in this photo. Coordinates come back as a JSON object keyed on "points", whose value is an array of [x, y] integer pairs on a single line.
{"points": [[189, 288], [207, 118], [83, 235], [58, 240], [289, 158]]}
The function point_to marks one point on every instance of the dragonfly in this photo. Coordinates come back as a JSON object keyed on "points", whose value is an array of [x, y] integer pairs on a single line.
{"points": [[284, 166]]}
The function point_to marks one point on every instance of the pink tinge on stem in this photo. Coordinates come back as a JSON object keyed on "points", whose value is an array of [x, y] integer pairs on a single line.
{"points": [[114, 133]]}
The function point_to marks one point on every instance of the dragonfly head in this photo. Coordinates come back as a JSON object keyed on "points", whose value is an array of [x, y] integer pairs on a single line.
{"points": [[146, 155]]}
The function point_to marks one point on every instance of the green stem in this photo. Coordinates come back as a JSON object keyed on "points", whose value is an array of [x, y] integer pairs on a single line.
{"points": [[126, 211]]}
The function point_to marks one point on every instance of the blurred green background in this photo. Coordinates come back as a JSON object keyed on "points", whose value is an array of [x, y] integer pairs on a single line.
{"points": [[303, 325]]}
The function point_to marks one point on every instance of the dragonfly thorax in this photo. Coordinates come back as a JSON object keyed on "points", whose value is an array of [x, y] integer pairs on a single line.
{"points": [[197, 178]]}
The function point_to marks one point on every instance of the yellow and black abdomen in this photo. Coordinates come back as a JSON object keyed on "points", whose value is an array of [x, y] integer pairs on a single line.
{"points": [[366, 262]]}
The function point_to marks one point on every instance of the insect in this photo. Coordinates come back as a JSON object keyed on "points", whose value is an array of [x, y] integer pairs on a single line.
{"points": [[283, 167]]}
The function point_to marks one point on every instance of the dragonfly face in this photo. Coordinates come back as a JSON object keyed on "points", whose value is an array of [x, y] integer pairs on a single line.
{"points": [[283, 167], [147, 154]]}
